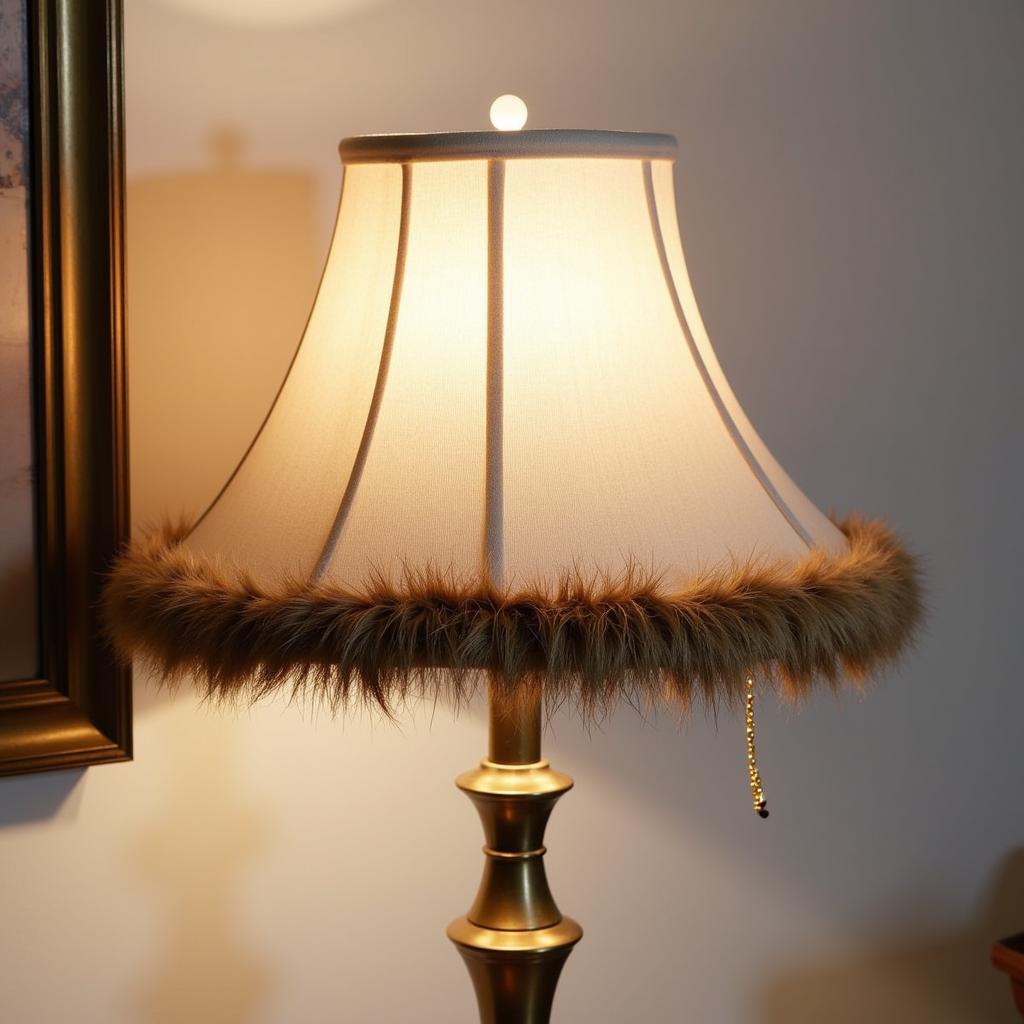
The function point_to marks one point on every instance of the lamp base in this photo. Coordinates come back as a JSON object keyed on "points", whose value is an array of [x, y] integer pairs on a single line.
{"points": [[514, 940], [515, 973]]}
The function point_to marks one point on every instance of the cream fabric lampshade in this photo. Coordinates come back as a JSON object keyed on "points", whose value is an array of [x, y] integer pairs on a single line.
{"points": [[505, 371], [505, 446]]}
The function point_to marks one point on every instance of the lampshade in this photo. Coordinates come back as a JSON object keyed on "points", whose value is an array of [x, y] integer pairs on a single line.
{"points": [[505, 444]]}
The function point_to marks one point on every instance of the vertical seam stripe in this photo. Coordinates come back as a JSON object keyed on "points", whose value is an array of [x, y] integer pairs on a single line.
{"points": [[730, 424], [373, 413], [494, 540]]}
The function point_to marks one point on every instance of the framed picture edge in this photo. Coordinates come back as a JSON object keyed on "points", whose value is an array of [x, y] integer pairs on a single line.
{"points": [[78, 712]]}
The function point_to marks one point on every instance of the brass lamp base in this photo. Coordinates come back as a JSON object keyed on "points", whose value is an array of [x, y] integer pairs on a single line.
{"points": [[515, 973], [514, 940]]}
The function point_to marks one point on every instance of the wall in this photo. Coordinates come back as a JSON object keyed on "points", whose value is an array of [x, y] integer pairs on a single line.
{"points": [[851, 200]]}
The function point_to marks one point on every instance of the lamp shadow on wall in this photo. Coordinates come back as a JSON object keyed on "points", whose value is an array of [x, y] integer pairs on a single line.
{"points": [[942, 979], [223, 265], [222, 269], [194, 854]]}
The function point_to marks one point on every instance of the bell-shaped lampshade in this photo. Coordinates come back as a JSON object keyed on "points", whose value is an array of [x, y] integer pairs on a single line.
{"points": [[505, 369], [505, 443]]}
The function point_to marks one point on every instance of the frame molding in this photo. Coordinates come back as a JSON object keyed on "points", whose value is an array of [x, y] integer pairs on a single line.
{"points": [[78, 712]]}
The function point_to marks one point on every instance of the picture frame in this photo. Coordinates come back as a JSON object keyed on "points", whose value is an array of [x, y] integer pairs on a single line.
{"points": [[76, 710]]}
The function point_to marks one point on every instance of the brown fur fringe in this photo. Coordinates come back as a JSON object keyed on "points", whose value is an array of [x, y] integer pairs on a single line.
{"points": [[592, 642]]}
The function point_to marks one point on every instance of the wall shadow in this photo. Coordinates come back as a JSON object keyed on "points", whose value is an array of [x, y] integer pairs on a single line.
{"points": [[194, 854], [943, 978], [44, 797], [271, 14], [222, 269]]}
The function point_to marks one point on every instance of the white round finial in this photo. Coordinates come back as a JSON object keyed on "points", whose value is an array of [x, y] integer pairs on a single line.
{"points": [[508, 113]]}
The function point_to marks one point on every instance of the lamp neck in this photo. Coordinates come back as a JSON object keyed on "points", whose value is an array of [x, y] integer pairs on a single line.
{"points": [[515, 728]]}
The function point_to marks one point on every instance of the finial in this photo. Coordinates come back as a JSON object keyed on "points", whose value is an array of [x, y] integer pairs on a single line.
{"points": [[508, 113]]}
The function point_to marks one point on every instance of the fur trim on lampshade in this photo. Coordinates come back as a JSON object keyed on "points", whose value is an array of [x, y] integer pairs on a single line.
{"points": [[589, 641]]}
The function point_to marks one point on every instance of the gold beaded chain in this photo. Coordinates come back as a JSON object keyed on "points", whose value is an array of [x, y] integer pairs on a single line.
{"points": [[756, 789]]}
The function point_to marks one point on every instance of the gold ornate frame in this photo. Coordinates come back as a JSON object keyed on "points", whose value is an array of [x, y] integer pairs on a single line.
{"points": [[78, 712]]}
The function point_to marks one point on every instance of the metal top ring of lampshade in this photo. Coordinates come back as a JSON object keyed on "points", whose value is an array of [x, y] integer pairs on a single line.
{"points": [[508, 145]]}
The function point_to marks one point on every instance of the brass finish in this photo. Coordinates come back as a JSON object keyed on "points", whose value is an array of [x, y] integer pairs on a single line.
{"points": [[515, 974], [514, 730], [563, 935], [514, 805], [514, 940], [77, 711]]}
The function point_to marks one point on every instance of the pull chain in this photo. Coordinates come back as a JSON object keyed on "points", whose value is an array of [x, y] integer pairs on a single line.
{"points": [[756, 789]]}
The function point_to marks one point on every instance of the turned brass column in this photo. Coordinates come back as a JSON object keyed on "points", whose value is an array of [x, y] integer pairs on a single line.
{"points": [[514, 940]]}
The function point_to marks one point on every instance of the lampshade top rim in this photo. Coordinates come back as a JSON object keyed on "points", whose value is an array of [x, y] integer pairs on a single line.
{"points": [[536, 143]]}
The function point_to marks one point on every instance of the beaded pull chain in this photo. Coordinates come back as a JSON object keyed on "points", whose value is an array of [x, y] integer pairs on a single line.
{"points": [[756, 789]]}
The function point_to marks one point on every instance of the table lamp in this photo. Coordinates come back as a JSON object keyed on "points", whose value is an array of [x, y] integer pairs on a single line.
{"points": [[505, 455]]}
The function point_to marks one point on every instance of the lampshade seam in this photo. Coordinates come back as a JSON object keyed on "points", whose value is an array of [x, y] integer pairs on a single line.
{"points": [[494, 513], [372, 414], [727, 420]]}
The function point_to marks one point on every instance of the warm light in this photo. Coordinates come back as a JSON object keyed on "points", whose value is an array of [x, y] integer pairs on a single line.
{"points": [[267, 14], [609, 389], [508, 113]]}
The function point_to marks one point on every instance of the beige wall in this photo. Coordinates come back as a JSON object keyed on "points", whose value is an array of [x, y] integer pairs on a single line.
{"points": [[850, 191]]}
